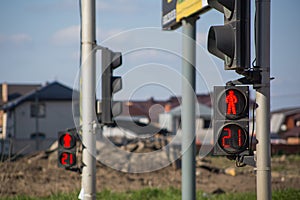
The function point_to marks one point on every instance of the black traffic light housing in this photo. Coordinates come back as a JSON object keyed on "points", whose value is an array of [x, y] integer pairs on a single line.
{"points": [[231, 41], [231, 120], [67, 148], [110, 85]]}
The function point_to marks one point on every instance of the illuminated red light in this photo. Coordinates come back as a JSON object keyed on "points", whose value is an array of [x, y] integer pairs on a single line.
{"points": [[67, 140], [231, 101], [232, 138], [226, 137], [67, 159], [240, 143], [232, 104]]}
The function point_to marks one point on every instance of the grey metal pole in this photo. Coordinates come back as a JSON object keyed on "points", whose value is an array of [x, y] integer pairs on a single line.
{"points": [[88, 85], [37, 112], [263, 148], [188, 109]]}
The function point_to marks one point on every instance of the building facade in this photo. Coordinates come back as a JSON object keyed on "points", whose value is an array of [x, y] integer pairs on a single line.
{"points": [[33, 120]]}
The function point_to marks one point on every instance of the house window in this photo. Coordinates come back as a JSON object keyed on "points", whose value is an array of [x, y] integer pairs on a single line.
{"points": [[297, 123], [207, 123], [37, 136], [178, 124], [38, 110]]}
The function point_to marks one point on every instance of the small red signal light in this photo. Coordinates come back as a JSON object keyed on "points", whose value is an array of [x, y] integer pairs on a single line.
{"points": [[232, 104], [67, 148], [67, 140], [231, 101]]}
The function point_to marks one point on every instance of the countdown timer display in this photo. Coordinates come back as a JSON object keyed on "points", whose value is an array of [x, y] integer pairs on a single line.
{"points": [[233, 138]]}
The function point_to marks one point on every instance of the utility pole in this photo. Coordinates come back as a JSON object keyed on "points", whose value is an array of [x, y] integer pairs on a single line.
{"points": [[87, 92], [188, 108], [263, 148], [37, 115]]}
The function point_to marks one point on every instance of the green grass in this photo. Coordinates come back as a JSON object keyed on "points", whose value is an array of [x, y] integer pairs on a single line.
{"points": [[166, 194]]}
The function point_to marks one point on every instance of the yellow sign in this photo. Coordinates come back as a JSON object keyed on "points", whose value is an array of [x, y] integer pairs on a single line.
{"points": [[186, 8], [173, 11]]}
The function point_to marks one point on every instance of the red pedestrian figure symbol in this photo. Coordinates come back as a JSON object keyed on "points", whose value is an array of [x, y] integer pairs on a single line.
{"points": [[231, 100], [67, 141]]}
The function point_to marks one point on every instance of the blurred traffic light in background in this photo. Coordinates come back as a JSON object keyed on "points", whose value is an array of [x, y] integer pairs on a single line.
{"points": [[110, 85]]}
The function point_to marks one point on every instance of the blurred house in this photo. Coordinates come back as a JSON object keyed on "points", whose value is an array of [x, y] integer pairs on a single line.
{"points": [[286, 123], [151, 108], [171, 121], [9, 92], [33, 119], [166, 114], [148, 110]]}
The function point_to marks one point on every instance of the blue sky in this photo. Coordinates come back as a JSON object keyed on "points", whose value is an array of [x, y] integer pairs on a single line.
{"points": [[39, 42]]}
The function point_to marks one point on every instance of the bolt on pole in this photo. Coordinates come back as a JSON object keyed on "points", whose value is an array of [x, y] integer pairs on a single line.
{"points": [[263, 148], [188, 109], [88, 85]]}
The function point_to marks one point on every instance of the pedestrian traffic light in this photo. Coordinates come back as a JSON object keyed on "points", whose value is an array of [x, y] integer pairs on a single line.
{"points": [[231, 120], [67, 148], [110, 85], [231, 41]]}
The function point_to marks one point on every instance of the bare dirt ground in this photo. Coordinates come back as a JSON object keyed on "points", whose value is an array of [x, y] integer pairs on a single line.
{"points": [[39, 175]]}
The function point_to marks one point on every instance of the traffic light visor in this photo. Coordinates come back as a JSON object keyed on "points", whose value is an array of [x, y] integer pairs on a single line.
{"points": [[221, 43], [223, 6]]}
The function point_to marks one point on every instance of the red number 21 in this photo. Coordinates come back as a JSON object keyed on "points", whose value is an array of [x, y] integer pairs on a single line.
{"points": [[228, 136]]}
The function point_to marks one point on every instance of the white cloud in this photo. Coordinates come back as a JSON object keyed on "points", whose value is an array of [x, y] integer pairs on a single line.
{"points": [[71, 35], [67, 36], [20, 38], [15, 39]]}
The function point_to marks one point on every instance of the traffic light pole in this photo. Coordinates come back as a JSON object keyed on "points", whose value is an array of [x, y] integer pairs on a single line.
{"points": [[263, 148], [88, 84], [188, 108]]}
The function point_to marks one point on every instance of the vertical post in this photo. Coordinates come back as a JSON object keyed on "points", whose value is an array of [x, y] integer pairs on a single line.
{"points": [[88, 84], [263, 148], [188, 109], [36, 113]]}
